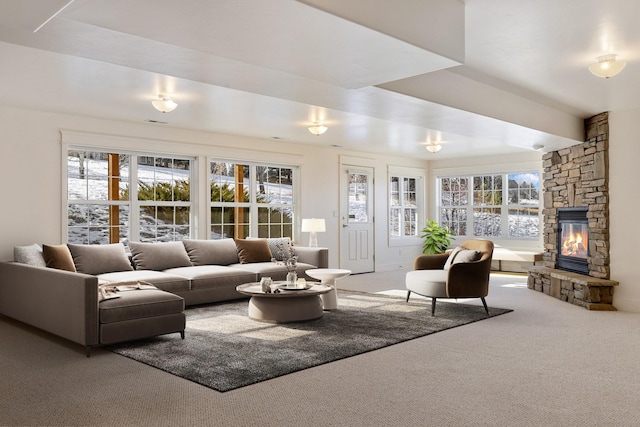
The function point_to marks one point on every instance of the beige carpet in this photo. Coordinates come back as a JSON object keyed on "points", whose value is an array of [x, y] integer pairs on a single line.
{"points": [[547, 363]]}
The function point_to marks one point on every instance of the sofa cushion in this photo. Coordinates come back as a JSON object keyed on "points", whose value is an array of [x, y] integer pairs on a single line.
{"points": [[138, 304], [275, 271], [159, 256], [213, 276], [432, 283], [98, 259], [253, 250], [211, 252], [161, 280], [58, 256], [31, 255]]}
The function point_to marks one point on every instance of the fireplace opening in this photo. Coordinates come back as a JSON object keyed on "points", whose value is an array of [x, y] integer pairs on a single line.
{"points": [[573, 240]]}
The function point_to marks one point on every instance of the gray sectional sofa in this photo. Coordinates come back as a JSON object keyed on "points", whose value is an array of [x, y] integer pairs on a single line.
{"points": [[46, 293]]}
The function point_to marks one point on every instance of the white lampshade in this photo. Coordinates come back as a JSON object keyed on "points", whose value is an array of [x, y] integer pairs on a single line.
{"points": [[313, 226], [164, 104], [607, 66]]}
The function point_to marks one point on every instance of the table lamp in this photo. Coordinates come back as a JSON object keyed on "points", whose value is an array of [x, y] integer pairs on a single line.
{"points": [[313, 226]]}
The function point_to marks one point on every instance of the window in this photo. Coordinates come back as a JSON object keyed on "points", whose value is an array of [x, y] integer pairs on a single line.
{"points": [[482, 206], [524, 205], [405, 204], [251, 200], [164, 198], [116, 197]]}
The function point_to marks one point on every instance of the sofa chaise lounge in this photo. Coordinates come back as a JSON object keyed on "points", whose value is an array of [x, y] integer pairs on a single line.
{"points": [[64, 300]]}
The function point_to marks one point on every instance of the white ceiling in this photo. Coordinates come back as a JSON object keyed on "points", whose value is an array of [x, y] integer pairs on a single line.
{"points": [[484, 76]]}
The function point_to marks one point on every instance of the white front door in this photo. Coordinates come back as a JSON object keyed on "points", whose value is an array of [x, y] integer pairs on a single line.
{"points": [[356, 219]]}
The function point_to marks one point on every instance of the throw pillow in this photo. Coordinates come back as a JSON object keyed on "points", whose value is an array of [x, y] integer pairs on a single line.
{"points": [[58, 256], [31, 255], [159, 256], [452, 256], [211, 252], [99, 259], [467, 255], [253, 250], [280, 247]]}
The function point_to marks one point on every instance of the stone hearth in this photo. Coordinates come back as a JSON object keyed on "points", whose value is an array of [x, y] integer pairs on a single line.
{"points": [[574, 177]]}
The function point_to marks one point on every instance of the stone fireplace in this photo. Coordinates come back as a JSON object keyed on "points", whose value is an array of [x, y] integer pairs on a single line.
{"points": [[576, 222]]}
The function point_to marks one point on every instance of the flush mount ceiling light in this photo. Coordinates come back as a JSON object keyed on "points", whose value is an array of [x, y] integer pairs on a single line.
{"points": [[318, 129], [164, 104], [433, 147], [607, 66]]}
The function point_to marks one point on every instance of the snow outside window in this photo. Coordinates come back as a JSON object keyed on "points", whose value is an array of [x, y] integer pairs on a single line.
{"points": [[251, 200], [117, 197], [406, 205], [483, 206]]}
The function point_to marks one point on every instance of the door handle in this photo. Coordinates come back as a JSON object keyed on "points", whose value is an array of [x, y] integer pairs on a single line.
{"points": [[345, 225]]}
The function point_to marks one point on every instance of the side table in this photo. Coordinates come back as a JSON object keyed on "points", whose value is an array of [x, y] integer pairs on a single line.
{"points": [[328, 277]]}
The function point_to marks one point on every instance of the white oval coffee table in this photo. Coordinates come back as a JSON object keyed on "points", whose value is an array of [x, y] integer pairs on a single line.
{"points": [[328, 277], [287, 305]]}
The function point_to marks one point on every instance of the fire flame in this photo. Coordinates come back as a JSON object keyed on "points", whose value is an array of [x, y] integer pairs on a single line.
{"points": [[572, 245]]}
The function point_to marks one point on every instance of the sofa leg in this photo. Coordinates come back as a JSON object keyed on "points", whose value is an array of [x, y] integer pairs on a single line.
{"points": [[408, 293], [485, 306], [87, 350], [433, 306], [182, 334]]}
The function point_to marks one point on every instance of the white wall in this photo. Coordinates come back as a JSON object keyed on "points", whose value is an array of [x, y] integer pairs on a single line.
{"points": [[624, 207], [31, 173]]}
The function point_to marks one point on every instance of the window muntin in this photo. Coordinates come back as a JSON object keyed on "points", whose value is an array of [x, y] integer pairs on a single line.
{"points": [[489, 208], [403, 214], [524, 205], [102, 200], [164, 195], [251, 200]]}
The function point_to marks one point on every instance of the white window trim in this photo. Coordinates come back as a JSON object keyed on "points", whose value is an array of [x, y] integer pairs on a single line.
{"points": [[134, 204], [489, 169], [420, 176], [253, 228]]}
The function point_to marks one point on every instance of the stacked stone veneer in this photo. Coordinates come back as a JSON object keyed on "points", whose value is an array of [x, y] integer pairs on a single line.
{"points": [[578, 176]]}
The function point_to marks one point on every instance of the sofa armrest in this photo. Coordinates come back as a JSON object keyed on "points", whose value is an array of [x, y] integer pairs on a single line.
{"points": [[56, 301], [314, 256]]}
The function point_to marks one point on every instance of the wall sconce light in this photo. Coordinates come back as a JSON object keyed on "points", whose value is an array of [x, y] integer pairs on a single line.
{"points": [[607, 66], [433, 148], [164, 104], [318, 129], [313, 226]]}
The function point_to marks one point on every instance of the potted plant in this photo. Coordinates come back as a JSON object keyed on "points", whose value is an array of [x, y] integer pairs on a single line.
{"points": [[436, 238]]}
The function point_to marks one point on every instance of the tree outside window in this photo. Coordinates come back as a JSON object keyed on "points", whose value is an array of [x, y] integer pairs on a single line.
{"points": [[482, 206]]}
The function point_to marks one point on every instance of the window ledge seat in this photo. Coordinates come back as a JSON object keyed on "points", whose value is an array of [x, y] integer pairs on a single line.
{"points": [[517, 259]]}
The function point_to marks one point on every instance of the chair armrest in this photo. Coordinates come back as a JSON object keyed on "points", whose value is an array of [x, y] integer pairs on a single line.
{"points": [[56, 301], [314, 256], [430, 262], [469, 279]]}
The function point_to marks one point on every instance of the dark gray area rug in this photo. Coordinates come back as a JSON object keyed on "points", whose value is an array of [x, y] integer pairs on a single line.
{"points": [[225, 350]]}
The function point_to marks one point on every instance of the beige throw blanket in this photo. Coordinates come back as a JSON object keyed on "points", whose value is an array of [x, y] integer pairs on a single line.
{"points": [[112, 290]]}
